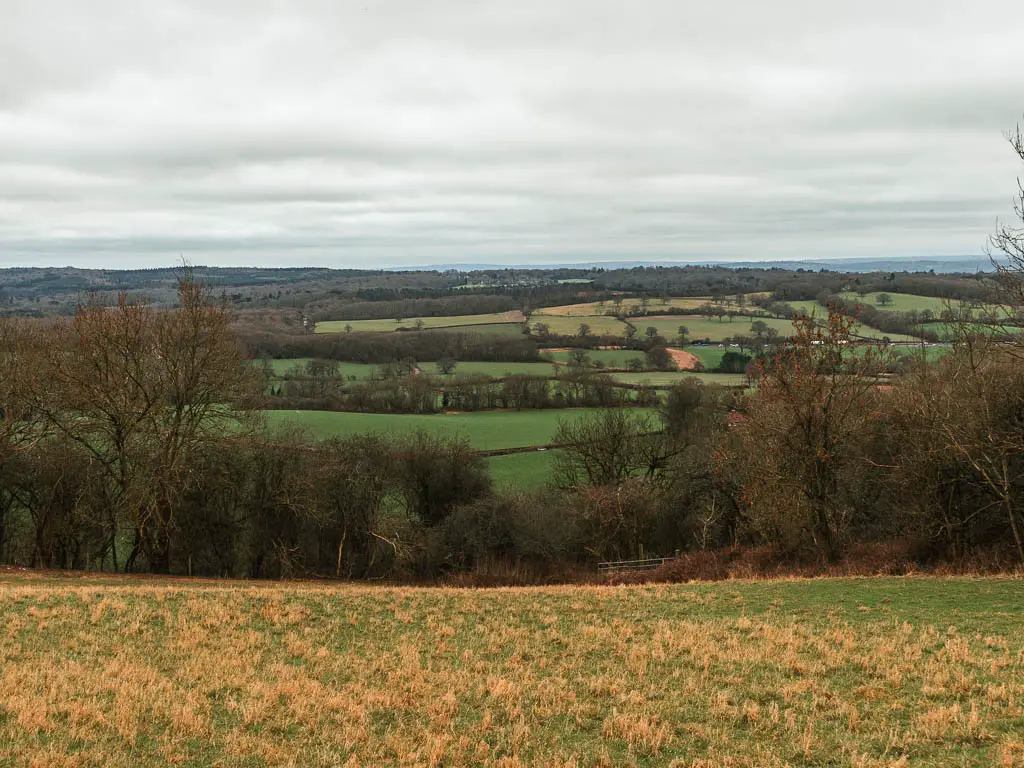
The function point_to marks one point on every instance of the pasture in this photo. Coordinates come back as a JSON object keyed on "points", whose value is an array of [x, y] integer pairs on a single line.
{"points": [[485, 430], [609, 358], [948, 332], [411, 323], [710, 357], [904, 302], [701, 328], [119, 672], [521, 471], [600, 325]]}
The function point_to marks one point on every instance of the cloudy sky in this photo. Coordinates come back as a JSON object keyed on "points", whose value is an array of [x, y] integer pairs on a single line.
{"points": [[380, 132]]}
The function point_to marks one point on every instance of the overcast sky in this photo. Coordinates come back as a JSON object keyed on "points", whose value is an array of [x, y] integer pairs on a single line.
{"points": [[378, 133]]}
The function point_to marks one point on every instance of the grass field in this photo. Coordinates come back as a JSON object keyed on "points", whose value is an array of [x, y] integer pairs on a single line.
{"points": [[485, 430], [505, 330], [406, 324], [520, 471], [611, 358], [702, 328], [846, 672], [600, 325], [904, 302], [711, 357]]}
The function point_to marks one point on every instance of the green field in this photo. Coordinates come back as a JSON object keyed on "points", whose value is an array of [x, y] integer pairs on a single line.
{"points": [[408, 324], [853, 673], [812, 308], [600, 325], [521, 471], [904, 302], [710, 357], [504, 330], [610, 358], [702, 328], [485, 430]]}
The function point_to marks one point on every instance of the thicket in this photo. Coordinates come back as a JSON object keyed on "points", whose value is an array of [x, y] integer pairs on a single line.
{"points": [[470, 304], [388, 347]]}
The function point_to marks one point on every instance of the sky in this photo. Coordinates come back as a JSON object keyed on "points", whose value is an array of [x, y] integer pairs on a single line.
{"points": [[406, 132]]}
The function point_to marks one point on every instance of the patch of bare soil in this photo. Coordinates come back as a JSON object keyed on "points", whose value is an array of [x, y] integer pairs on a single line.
{"points": [[685, 361]]}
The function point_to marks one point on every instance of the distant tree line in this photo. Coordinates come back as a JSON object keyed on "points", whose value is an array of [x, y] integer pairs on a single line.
{"points": [[388, 347], [434, 307]]}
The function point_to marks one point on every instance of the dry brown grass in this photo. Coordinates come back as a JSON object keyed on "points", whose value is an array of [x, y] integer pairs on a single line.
{"points": [[854, 672]]}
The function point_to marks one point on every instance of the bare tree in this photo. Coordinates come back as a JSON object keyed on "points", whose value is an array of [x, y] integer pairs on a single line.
{"points": [[803, 435], [141, 391], [1007, 244]]}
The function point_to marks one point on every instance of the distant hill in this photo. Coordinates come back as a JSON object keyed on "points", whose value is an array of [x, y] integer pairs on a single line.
{"points": [[938, 264]]}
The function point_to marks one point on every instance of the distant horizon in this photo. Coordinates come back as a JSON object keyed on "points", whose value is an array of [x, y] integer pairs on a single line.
{"points": [[961, 261]]}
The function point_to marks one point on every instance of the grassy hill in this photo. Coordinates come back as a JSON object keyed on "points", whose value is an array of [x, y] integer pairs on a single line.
{"points": [[839, 672]]}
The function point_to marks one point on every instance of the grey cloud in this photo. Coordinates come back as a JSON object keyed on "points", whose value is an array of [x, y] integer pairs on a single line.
{"points": [[403, 132]]}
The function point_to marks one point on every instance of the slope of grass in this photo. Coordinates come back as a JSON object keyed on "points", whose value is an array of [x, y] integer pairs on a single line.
{"points": [[522, 471], [903, 302], [845, 672], [505, 330], [485, 430], [409, 323], [600, 325], [710, 357]]}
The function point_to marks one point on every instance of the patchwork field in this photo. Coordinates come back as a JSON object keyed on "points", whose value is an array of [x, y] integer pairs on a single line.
{"points": [[714, 330], [410, 323], [844, 672], [600, 325], [485, 430]]}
